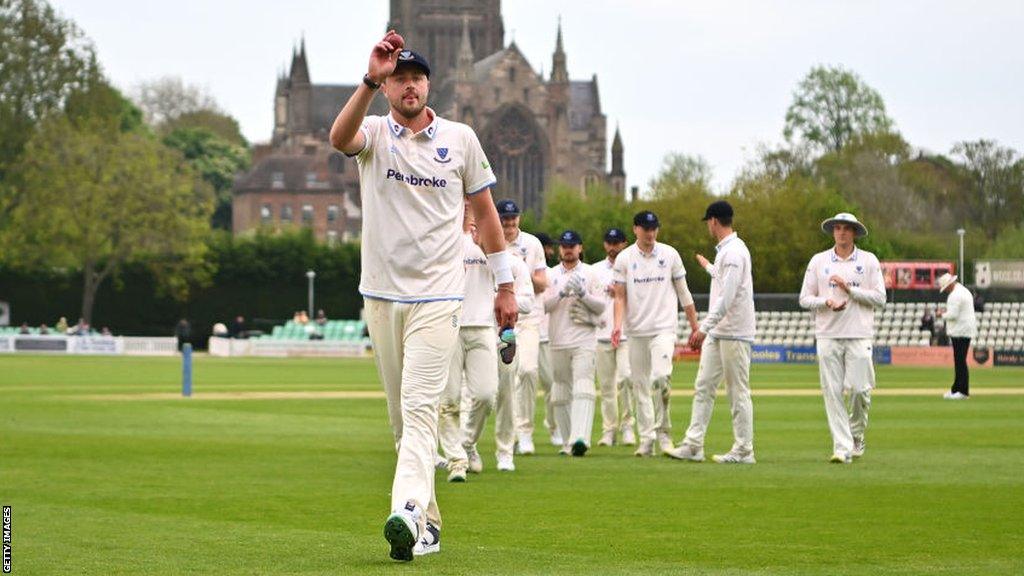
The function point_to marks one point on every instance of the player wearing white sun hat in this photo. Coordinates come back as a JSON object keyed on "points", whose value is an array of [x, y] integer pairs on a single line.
{"points": [[843, 286]]}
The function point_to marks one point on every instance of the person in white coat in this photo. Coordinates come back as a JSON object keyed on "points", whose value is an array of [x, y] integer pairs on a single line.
{"points": [[961, 327], [843, 286]]}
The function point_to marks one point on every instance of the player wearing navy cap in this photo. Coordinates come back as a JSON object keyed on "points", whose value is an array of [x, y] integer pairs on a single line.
{"points": [[724, 339], [613, 379], [571, 300], [528, 248], [650, 285], [415, 168]]}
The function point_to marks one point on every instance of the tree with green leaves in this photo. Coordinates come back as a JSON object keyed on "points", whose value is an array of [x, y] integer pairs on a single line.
{"points": [[43, 59], [996, 177], [216, 160], [95, 198], [831, 106]]}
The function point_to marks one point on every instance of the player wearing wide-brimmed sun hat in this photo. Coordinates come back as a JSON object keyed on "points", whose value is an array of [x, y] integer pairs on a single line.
{"points": [[843, 286]]}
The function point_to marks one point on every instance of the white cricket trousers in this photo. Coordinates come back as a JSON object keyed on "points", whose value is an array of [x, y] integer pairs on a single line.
{"points": [[504, 410], [525, 385], [545, 378], [650, 364], [413, 346], [615, 385], [572, 393], [846, 364], [475, 363], [727, 360]]}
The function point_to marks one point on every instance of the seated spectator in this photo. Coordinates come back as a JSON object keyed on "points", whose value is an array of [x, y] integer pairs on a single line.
{"points": [[62, 326], [24, 329], [220, 330], [297, 317], [105, 331], [303, 317], [979, 302], [43, 330], [321, 318], [928, 321], [80, 329]]}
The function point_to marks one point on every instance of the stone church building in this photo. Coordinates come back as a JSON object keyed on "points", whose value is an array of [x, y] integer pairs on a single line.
{"points": [[535, 129]]}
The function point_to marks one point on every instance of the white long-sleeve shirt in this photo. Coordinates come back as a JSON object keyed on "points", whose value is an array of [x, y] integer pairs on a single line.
{"points": [[731, 309], [863, 274], [960, 319], [563, 332], [528, 248]]}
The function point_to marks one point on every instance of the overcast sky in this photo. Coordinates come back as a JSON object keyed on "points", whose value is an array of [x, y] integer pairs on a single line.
{"points": [[712, 78]]}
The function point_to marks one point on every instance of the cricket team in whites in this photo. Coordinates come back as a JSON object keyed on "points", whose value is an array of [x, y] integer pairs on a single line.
{"points": [[466, 318]]}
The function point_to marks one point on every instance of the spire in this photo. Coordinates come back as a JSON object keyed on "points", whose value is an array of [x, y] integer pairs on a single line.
{"points": [[559, 72], [300, 69], [617, 153], [464, 62]]}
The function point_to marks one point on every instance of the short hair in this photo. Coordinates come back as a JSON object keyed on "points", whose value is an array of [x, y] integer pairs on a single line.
{"points": [[724, 220]]}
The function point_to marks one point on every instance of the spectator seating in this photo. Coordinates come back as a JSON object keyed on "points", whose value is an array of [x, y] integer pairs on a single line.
{"points": [[1001, 326], [344, 330]]}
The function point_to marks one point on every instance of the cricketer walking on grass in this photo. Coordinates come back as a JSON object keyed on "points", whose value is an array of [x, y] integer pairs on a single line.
{"points": [[724, 339], [415, 168]]}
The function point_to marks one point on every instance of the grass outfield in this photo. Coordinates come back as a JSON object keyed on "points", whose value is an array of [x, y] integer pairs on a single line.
{"points": [[300, 486]]}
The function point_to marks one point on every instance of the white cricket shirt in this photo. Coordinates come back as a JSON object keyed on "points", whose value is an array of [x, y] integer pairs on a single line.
{"points": [[606, 278], [528, 248], [960, 319], [863, 274], [481, 287], [652, 306], [731, 302], [562, 331], [412, 188]]}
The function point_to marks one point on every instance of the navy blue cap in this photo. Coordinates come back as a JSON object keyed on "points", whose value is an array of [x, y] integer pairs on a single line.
{"points": [[570, 238], [646, 220], [719, 209], [410, 58], [507, 209], [614, 236]]}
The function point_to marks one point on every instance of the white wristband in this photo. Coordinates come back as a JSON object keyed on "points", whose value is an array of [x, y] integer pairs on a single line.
{"points": [[500, 267]]}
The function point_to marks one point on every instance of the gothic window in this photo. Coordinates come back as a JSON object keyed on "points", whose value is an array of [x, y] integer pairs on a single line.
{"points": [[515, 147], [512, 75]]}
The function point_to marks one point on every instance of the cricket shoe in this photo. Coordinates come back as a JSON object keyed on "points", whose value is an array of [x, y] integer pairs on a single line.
{"points": [[556, 439], [955, 396], [646, 448], [665, 443], [734, 457], [859, 445], [525, 444], [457, 471], [839, 458], [505, 463], [687, 452], [607, 439], [579, 447], [402, 531], [475, 464], [628, 437], [564, 451], [429, 543]]}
